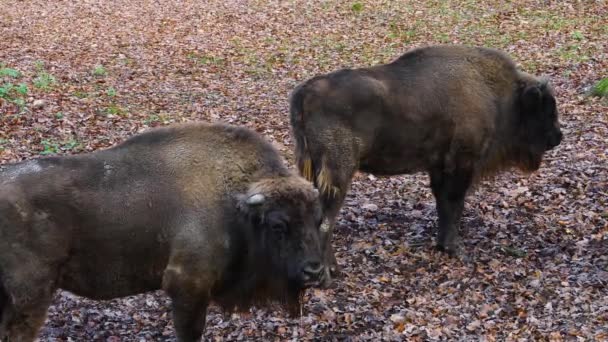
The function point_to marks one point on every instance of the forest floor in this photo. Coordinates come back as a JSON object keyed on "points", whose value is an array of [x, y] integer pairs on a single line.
{"points": [[76, 76]]}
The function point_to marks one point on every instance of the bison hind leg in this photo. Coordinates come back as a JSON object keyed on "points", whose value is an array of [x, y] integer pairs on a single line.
{"points": [[26, 292], [23, 324], [450, 189], [3, 301]]}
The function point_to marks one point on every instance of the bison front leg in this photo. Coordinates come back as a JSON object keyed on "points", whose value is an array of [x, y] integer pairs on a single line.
{"points": [[449, 189], [190, 299], [189, 315]]}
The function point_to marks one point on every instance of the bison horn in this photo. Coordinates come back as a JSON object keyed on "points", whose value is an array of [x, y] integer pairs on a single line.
{"points": [[256, 199]]}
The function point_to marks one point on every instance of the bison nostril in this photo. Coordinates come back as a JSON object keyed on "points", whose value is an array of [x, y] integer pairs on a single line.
{"points": [[312, 269]]}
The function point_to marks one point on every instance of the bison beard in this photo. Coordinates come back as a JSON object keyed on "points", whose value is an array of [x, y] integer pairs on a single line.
{"points": [[458, 113]]}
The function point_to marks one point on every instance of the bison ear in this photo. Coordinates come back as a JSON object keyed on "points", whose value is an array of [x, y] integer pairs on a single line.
{"points": [[532, 100]]}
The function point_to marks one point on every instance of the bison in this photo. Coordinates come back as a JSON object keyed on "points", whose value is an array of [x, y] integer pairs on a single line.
{"points": [[205, 212], [459, 113]]}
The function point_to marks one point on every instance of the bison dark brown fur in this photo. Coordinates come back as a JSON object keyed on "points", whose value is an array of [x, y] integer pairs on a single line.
{"points": [[456, 112], [206, 212]]}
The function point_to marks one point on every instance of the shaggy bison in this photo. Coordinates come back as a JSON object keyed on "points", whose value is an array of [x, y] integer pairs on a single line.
{"points": [[205, 212], [458, 113]]}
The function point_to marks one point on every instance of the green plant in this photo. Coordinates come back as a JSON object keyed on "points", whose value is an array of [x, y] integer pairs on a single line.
{"points": [[99, 70], [14, 93], [5, 90], [578, 35], [357, 7], [111, 92], [80, 94], [49, 147], [114, 109], [71, 144], [53, 147], [44, 80], [9, 72], [22, 89], [152, 118], [39, 65], [600, 89], [206, 59], [59, 115]]}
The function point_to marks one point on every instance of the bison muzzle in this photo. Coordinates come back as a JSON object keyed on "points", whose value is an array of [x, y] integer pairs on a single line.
{"points": [[458, 113], [205, 212]]}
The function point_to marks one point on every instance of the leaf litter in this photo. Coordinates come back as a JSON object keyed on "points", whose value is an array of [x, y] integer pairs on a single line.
{"points": [[91, 74]]}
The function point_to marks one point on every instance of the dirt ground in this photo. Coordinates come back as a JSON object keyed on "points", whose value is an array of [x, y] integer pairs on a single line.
{"points": [[76, 76]]}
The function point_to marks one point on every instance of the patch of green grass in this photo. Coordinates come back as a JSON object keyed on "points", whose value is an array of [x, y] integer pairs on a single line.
{"points": [[357, 7], [206, 59], [111, 92], [59, 115], [80, 94], [14, 93], [404, 35], [39, 65], [54, 147], [114, 109], [71, 144], [600, 89], [49, 147], [99, 70], [573, 53], [152, 118], [578, 35], [43, 80], [8, 72]]}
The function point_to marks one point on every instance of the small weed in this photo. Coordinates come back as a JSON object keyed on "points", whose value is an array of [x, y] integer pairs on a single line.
{"points": [[152, 118], [8, 72], [99, 70], [39, 65], [70, 145], [600, 89], [111, 92], [44, 80], [578, 35], [80, 94], [206, 60], [49, 147], [14, 94], [22, 89], [114, 109], [53, 147], [59, 115], [442, 38], [357, 7], [573, 53], [5, 90]]}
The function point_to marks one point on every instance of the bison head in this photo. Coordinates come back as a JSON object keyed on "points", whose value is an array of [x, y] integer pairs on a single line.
{"points": [[538, 123], [285, 214]]}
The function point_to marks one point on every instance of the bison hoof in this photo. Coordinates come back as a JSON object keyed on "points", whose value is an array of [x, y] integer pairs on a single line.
{"points": [[449, 250]]}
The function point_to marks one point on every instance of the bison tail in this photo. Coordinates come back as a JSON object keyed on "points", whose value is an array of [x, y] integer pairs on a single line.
{"points": [[297, 117], [309, 153]]}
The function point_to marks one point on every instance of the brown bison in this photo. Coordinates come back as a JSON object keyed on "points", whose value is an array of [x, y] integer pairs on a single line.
{"points": [[458, 113], [205, 212]]}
